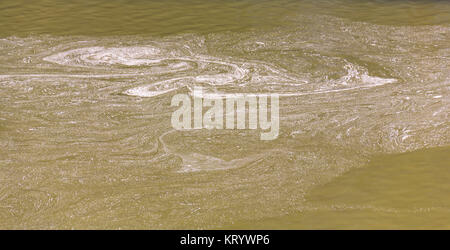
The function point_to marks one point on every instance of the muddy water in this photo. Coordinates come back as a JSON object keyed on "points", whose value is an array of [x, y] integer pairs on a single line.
{"points": [[86, 139], [401, 191]]}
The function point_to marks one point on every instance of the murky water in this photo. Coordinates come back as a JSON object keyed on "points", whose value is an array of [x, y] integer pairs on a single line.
{"points": [[86, 139], [404, 191]]}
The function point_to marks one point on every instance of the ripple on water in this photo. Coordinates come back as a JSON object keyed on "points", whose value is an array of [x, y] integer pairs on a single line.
{"points": [[90, 118]]}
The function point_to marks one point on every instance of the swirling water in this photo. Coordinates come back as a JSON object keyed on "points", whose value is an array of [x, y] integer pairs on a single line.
{"points": [[85, 113]]}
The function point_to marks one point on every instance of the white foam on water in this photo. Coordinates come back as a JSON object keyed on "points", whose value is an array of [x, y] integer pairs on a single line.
{"points": [[129, 56], [356, 78], [124, 75], [236, 73], [156, 89], [199, 162]]}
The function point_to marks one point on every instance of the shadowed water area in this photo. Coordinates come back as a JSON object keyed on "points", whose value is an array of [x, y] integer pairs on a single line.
{"points": [[85, 118]]}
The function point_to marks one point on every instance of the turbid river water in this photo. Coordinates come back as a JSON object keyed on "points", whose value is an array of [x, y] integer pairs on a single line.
{"points": [[364, 137]]}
